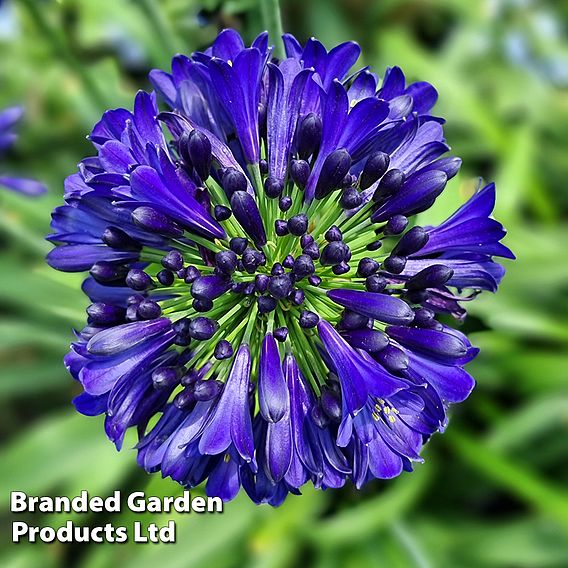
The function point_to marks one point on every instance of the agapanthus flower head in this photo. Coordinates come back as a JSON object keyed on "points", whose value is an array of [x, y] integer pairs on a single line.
{"points": [[9, 117], [266, 311]]}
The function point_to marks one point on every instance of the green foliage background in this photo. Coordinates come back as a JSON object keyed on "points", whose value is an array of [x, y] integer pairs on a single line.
{"points": [[494, 489]]}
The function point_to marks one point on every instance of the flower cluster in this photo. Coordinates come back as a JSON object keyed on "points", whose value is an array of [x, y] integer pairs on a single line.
{"points": [[265, 309], [8, 119]]}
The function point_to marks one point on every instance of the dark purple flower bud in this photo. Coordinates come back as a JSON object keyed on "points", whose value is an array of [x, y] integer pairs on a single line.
{"points": [[392, 358], [262, 115], [445, 346], [376, 245], [298, 297], [432, 276], [206, 390], [165, 277], [131, 313], [285, 203], [306, 240], [165, 377], [209, 287], [308, 319], [184, 399], [238, 287], [173, 260], [273, 395], [238, 244], [371, 340], [233, 180], [411, 242], [202, 328], [334, 383], [226, 261], [181, 327], [202, 304], [298, 224], [333, 171], [195, 374], [424, 317], [247, 214], [331, 405], [105, 314], [191, 274], [309, 135], [118, 339], [333, 234], [263, 165], [320, 418], [395, 225], [266, 304], [182, 273], [353, 320], [334, 253], [312, 250], [314, 280], [117, 239], [221, 213], [249, 288], [450, 166], [416, 296], [390, 183], [280, 286], [367, 266], [138, 280], [223, 350], [134, 299], [280, 334], [288, 262], [155, 222], [375, 167], [104, 272], [277, 269], [184, 358], [261, 283], [350, 198], [251, 260], [375, 283], [89, 331], [382, 307], [273, 187], [198, 149], [192, 376], [300, 172], [348, 181], [341, 268], [303, 266], [149, 310], [182, 150], [281, 227], [394, 264]]}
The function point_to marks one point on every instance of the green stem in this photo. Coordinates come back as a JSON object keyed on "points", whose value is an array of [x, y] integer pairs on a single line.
{"points": [[212, 246], [252, 315], [273, 24]]}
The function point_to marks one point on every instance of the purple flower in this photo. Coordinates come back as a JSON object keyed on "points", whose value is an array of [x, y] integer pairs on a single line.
{"points": [[9, 117], [272, 390], [230, 423], [265, 309]]}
